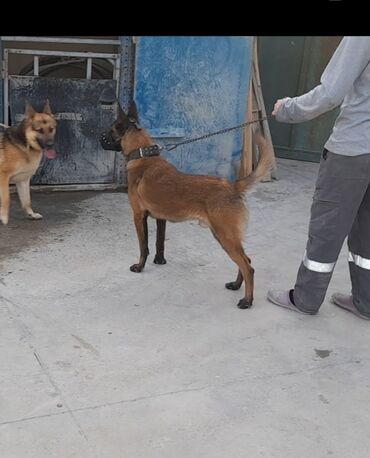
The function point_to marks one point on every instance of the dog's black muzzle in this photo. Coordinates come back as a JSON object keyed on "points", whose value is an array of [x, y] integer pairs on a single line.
{"points": [[108, 143]]}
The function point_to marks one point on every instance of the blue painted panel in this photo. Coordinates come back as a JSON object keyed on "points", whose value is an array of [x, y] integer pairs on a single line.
{"points": [[191, 86]]}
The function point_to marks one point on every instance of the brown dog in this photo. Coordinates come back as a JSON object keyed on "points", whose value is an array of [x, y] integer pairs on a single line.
{"points": [[21, 150], [158, 189]]}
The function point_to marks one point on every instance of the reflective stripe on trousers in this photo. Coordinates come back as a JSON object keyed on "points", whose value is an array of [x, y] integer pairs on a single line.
{"points": [[359, 260], [314, 266]]}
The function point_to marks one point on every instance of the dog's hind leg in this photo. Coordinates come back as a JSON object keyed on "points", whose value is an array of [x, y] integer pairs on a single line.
{"points": [[227, 238], [161, 233], [141, 224], [4, 198], [247, 301], [236, 253], [23, 189], [234, 285]]}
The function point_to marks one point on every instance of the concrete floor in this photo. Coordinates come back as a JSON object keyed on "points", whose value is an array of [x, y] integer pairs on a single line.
{"points": [[99, 362]]}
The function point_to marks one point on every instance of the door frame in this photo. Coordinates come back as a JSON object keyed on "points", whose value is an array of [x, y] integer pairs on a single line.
{"points": [[122, 72]]}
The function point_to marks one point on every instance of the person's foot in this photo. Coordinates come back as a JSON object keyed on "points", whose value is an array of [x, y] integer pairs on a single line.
{"points": [[282, 298], [344, 301]]}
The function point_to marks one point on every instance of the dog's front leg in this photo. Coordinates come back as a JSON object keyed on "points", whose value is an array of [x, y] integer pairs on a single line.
{"points": [[23, 188], [141, 225], [4, 199], [161, 233]]}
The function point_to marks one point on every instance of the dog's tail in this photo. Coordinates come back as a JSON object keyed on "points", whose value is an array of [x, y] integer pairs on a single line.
{"points": [[265, 164]]}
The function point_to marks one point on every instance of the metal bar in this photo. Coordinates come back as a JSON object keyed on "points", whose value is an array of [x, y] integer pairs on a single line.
{"points": [[6, 88], [36, 65], [89, 68], [119, 172], [72, 187], [119, 163], [127, 77], [116, 72], [1, 82], [42, 52], [126, 87], [87, 41], [300, 150]]}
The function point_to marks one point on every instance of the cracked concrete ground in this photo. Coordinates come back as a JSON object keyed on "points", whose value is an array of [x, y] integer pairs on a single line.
{"points": [[97, 361]]}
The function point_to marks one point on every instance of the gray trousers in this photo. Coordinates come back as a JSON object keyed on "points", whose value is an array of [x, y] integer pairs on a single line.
{"points": [[341, 208]]}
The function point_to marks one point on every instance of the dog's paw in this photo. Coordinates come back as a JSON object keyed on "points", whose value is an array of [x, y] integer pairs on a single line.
{"points": [[4, 219], [34, 216], [244, 304], [136, 268], [233, 285], [159, 259]]}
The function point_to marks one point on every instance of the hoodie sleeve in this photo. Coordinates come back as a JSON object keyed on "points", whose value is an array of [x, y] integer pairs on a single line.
{"points": [[346, 65]]}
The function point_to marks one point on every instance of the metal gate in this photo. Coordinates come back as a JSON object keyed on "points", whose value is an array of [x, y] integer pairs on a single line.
{"points": [[290, 66], [81, 162]]}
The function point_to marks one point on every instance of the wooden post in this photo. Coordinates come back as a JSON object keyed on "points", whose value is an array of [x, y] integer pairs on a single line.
{"points": [[255, 110], [246, 165], [256, 81]]}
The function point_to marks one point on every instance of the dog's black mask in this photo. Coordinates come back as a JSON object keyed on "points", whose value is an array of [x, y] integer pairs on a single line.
{"points": [[111, 139]]}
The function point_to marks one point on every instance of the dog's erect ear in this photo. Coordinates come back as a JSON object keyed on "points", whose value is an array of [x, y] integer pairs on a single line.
{"points": [[30, 111], [47, 108], [132, 114]]}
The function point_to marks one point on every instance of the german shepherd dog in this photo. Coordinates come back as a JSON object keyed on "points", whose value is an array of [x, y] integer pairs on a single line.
{"points": [[21, 150], [156, 188]]}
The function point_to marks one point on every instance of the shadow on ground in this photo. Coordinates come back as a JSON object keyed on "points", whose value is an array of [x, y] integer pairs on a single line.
{"points": [[57, 208]]}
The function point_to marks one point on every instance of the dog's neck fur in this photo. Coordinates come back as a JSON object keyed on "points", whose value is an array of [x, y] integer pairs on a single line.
{"points": [[18, 136], [134, 139]]}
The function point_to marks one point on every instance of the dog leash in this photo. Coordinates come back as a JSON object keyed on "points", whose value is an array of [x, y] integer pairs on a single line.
{"points": [[172, 146]]}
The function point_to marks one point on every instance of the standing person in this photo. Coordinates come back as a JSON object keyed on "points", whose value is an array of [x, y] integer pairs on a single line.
{"points": [[341, 202]]}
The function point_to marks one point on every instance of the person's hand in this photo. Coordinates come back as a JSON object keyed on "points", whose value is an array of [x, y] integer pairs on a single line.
{"points": [[278, 104]]}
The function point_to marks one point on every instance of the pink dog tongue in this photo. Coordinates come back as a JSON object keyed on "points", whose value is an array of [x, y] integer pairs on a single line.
{"points": [[50, 153]]}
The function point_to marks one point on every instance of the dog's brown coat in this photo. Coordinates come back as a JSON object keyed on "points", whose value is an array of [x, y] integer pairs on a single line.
{"points": [[158, 189]]}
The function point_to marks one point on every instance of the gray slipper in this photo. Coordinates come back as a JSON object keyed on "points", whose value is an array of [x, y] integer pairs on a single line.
{"points": [[282, 298], [344, 301]]}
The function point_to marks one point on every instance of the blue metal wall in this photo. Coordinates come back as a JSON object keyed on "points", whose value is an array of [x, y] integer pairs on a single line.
{"points": [[188, 86]]}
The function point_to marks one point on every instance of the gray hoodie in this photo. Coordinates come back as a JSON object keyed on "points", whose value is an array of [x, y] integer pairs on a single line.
{"points": [[345, 81]]}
